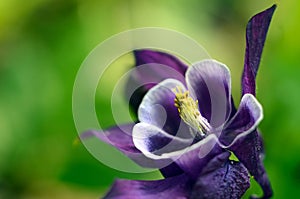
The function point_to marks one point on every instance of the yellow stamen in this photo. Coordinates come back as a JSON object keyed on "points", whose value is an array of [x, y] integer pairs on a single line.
{"points": [[189, 112]]}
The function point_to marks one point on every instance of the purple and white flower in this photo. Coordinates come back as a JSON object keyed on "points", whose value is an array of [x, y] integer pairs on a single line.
{"points": [[191, 126]]}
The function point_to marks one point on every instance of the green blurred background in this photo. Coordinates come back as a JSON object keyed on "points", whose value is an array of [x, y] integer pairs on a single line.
{"points": [[43, 43]]}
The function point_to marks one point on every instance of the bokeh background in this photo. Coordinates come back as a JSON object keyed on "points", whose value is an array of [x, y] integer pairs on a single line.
{"points": [[44, 42]]}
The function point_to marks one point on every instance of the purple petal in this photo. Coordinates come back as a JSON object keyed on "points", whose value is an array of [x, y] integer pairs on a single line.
{"points": [[249, 150], [158, 109], [173, 187], [155, 143], [256, 33], [246, 119], [152, 67], [159, 145], [209, 82], [222, 179]]}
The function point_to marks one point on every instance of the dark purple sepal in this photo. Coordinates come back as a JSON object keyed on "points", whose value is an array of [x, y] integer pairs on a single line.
{"points": [[117, 136], [121, 138], [150, 56], [173, 187], [221, 178], [152, 67], [256, 33], [249, 150]]}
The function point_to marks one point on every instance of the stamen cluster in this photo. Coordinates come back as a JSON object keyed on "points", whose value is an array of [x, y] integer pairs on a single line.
{"points": [[189, 112]]}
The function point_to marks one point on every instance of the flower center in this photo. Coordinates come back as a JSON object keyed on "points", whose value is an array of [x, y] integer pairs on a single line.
{"points": [[189, 112]]}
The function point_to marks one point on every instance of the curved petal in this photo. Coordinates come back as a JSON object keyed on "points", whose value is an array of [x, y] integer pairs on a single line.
{"points": [[256, 33], [222, 179], [158, 109], [246, 119], [159, 145], [174, 187], [209, 81], [152, 67], [155, 143]]}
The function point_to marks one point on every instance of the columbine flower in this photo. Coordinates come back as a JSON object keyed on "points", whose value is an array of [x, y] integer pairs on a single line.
{"points": [[191, 126]]}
